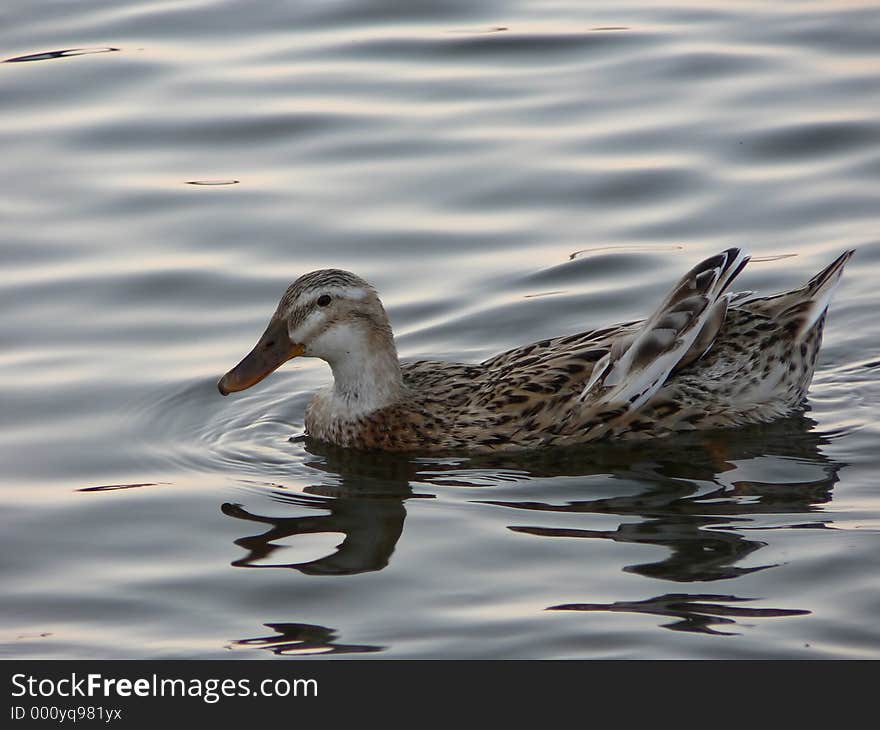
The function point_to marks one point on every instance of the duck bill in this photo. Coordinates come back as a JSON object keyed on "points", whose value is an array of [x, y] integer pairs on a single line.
{"points": [[273, 350]]}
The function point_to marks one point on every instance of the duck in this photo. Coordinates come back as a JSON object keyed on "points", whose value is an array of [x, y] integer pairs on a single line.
{"points": [[706, 358]]}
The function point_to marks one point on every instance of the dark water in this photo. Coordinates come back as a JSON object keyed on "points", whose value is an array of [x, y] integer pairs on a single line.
{"points": [[503, 172]]}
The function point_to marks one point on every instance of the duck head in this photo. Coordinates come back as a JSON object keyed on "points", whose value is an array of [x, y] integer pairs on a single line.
{"points": [[333, 315]]}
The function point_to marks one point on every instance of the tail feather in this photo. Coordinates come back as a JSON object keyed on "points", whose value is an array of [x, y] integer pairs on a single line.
{"points": [[807, 305]]}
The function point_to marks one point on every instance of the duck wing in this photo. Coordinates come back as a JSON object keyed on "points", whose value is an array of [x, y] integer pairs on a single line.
{"points": [[680, 331]]}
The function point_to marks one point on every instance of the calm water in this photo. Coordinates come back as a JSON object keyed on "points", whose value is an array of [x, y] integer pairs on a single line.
{"points": [[502, 172]]}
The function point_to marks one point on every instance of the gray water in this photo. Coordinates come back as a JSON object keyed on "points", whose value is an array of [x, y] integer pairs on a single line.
{"points": [[502, 172]]}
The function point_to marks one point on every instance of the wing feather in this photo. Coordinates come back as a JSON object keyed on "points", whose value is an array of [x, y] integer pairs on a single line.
{"points": [[680, 330]]}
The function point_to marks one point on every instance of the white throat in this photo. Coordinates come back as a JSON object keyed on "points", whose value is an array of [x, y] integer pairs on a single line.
{"points": [[366, 371]]}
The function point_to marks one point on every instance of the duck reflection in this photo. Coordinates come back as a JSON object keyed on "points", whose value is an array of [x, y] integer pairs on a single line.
{"points": [[702, 498], [702, 501], [697, 613], [705, 499], [366, 506], [302, 639]]}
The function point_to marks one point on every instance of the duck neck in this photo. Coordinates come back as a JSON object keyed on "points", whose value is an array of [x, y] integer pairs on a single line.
{"points": [[367, 379]]}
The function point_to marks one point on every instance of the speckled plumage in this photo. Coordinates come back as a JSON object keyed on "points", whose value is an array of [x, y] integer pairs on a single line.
{"points": [[704, 359]]}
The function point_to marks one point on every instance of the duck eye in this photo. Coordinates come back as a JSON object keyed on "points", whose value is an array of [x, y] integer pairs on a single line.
{"points": [[323, 300]]}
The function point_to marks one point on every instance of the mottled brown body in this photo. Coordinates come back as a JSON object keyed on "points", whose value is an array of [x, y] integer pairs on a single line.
{"points": [[527, 397], [705, 358]]}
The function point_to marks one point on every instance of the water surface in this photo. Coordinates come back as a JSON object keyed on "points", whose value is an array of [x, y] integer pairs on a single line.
{"points": [[503, 172]]}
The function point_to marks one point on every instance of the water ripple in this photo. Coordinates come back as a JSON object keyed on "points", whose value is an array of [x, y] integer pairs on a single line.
{"points": [[66, 53], [502, 173]]}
